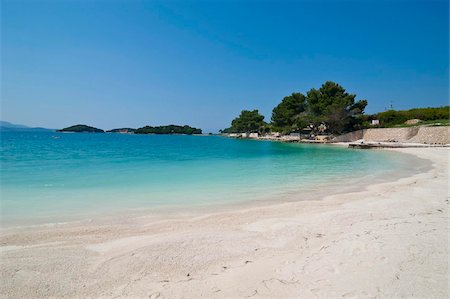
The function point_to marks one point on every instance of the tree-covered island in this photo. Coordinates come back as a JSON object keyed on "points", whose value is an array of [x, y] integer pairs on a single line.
{"points": [[170, 129], [81, 129], [122, 130]]}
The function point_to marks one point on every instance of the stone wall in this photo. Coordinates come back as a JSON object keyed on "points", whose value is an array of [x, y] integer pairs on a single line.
{"points": [[432, 135], [419, 134], [390, 134], [349, 137]]}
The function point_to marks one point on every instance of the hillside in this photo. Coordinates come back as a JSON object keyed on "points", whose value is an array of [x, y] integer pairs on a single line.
{"points": [[10, 127]]}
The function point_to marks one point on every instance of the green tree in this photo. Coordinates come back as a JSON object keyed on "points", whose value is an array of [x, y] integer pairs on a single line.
{"points": [[248, 122], [335, 106], [329, 107], [311, 121], [285, 115]]}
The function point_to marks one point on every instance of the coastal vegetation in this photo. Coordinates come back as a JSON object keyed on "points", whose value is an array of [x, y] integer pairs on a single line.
{"points": [[247, 121], [287, 114], [81, 129], [330, 108], [395, 118], [171, 129]]}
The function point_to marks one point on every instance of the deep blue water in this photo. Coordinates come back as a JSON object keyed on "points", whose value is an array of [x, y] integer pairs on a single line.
{"points": [[48, 175]]}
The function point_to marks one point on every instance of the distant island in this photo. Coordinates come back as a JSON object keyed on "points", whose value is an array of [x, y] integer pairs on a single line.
{"points": [[81, 129], [122, 130], [10, 127], [171, 129]]}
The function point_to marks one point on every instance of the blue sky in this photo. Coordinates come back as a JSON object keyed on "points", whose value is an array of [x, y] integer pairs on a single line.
{"points": [[133, 63]]}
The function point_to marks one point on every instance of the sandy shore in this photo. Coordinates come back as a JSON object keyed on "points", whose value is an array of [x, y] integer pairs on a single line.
{"points": [[388, 241]]}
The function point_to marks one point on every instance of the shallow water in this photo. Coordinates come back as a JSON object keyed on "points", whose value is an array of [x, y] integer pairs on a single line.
{"points": [[70, 176]]}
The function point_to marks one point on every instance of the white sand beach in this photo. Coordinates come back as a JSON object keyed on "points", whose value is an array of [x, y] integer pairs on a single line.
{"points": [[387, 241]]}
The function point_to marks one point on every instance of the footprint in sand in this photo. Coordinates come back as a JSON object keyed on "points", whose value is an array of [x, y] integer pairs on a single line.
{"points": [[154, 295], [348, 295]]}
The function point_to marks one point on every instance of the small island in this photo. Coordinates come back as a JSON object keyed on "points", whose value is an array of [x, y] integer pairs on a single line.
{"points": [[171, 129], [122, 131], [81, 129]]}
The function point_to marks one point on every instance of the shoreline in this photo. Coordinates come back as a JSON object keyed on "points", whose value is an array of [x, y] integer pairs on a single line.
{"points": [[401, 137], [323, 248], [201, 209]]}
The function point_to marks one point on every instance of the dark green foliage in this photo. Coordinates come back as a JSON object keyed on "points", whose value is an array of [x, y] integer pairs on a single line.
{"points": [[311, 122], [330, 105], [337, 108], [122, 130], [225, 131], [81, 129], [171, 129], [286, 114], [247, 122], [397, 117]]}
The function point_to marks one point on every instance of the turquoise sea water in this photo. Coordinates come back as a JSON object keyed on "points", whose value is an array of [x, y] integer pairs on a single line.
{"points": [[67, 176]]}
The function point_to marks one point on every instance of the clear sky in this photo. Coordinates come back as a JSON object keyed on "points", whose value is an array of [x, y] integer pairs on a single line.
{"points": [[132, 63]]}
